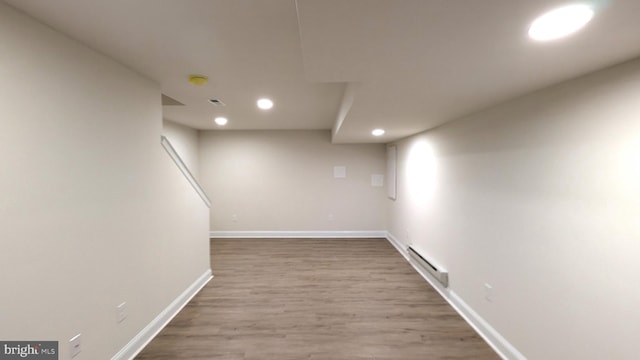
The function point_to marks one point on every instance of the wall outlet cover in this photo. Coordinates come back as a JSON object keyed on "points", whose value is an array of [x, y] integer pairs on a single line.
{"points": [[74, 345], [121, 312], [488, 292]]}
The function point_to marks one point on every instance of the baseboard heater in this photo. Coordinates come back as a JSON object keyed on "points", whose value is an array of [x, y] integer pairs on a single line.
{"points": [[440, 274]]}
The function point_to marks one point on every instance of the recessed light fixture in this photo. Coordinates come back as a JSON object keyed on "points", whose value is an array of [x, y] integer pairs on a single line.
{"points": [[560, 22], [221, 120], [377, 132], [265, 104]]}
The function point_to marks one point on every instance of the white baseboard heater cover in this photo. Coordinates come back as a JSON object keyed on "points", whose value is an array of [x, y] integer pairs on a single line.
{"points": [[440, 274]]}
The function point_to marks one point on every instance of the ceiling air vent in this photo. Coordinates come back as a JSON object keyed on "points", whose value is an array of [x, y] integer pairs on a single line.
{"points": [[216, 102]]}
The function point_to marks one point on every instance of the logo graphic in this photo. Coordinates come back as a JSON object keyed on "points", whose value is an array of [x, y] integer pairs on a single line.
{"points": [[29, 350]]}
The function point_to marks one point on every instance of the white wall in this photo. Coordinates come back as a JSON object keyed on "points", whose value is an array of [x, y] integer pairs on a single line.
{"points": [[540, 198], [283, 181], [93, 212], [185, 141]]}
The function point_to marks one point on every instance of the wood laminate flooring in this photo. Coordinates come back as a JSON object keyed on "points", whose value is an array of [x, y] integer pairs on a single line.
{"points": [[315, 299]]}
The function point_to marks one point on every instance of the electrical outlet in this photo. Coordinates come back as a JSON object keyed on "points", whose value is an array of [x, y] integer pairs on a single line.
{"points": [[74, 345], [121, 312], [488, 292], [330, 217], [234, 218]]}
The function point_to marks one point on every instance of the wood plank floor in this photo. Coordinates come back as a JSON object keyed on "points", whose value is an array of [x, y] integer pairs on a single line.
{"points": [[315, 299]]}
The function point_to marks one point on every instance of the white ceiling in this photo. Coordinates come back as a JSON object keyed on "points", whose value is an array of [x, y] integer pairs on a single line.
{"points": [[346, 65]]}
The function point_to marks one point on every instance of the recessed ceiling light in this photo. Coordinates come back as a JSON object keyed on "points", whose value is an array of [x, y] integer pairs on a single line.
{"points": [[377, 132], [560, 22], [265, 104], [221, 120]]}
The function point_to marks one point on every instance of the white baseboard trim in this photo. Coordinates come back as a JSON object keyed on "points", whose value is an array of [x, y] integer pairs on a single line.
{"points": [[144, 337], [402, 248], [486, 331], [299, 234]]}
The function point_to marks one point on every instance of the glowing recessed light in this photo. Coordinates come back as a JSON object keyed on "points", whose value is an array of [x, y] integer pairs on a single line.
{"points": [[560, 22], [377, 132], [221, 120], [265, 104]]}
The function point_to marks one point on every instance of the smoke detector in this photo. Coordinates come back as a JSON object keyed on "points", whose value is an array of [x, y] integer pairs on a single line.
{"points": [[198, 80]]}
